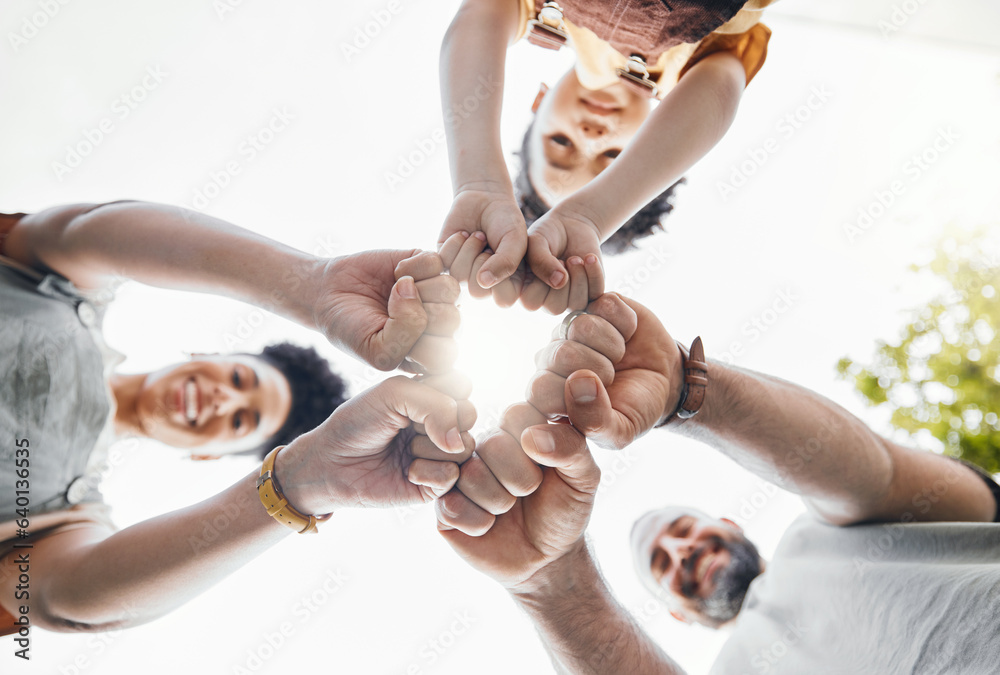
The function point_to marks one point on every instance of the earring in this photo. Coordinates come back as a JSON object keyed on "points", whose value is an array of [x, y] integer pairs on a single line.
{"points": [[548, 30], [635, 75], [542, 91]]}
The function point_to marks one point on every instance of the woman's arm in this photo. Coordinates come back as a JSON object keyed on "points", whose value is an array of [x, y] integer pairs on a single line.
{"points": [[169, 247], [364, 454], [90, 579], [370, 304]]}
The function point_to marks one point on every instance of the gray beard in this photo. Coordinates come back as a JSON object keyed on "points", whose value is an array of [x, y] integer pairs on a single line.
{"points": [[731, 584]]}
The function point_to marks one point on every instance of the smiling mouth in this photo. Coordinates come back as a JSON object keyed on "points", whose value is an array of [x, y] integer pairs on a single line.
{"points": [[600, 107], [191, 402], [705, 565], [700, 570]]}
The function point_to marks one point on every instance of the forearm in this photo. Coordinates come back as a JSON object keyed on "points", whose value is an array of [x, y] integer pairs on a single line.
{"points": [[584, 628], [688, 123], [169, 247], [796, 439], [150, 568], [472, 75]]}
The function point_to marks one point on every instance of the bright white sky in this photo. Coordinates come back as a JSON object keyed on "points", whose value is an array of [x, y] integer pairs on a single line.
{"points": [[321, 185]]}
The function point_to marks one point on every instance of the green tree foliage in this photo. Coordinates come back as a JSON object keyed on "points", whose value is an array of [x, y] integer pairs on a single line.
{"points": [[943, 374]]}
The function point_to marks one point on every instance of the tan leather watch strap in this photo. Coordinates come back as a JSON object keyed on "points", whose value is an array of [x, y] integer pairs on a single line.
{"points": [[274, 501], [695, 382]]}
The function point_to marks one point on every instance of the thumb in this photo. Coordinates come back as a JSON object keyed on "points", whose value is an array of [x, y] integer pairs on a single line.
{"points": [[543, 264], [589, 408], [404, 326], [562, 447], [507, 255]]}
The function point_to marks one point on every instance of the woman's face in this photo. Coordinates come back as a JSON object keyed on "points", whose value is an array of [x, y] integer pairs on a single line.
{"points": [[218, 404], [578, 132]]}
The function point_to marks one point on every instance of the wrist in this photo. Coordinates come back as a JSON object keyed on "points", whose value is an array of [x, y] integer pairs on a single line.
{"points": [[499, 185], [303, 474], [296, 294], [689, 384], [580, 211], [559, 579], [675, 375], [478, 163]]}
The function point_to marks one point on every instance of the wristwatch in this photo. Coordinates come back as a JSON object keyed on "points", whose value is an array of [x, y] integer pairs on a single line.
{"points": [[695, 383], [274, 501]]}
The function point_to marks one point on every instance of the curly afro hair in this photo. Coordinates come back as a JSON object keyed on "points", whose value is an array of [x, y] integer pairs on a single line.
{"points": [[316, 390], [642, 224]]}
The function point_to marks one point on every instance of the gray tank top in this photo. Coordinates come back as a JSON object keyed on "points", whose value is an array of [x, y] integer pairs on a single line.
{"points": [[52, 390]]}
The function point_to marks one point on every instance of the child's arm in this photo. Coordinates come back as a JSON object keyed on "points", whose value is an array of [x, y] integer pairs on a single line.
{"points": [[681, 130], [472, 70]]}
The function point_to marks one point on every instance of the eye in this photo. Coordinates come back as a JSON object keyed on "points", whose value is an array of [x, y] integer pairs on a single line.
{"points": [[659, 563], [562, 140], [237, 420], [611, 154], [685, 528], [237, 380]]}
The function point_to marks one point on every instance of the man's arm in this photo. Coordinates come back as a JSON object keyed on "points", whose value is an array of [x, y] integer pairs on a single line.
{"points": [[369, 304], [537, 551], [583, 627], [782, 432], [811, 446], [534, 545]]}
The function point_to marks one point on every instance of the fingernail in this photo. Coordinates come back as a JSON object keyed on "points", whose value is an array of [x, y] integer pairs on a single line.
{"points": [[556, 278], [454, 439], [583, 389], [487, 279], [575, 260], [406, 288], [445, 510], [542, 440], [591, 259], [465, 235], [480, 236]]}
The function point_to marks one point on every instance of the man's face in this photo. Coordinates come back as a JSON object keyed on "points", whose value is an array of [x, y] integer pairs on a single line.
{"points": [[218, 404], [703, 565], [578, 132]]}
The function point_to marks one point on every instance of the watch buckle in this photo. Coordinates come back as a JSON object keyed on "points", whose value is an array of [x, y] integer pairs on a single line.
{"points": [[635, 75], [548, 30]]}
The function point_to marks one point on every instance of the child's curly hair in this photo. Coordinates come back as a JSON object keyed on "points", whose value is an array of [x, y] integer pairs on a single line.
{"points": [[642, 224]]}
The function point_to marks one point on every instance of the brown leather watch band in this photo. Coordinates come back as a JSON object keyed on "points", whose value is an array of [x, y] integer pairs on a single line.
{"points": [[274, 501], [695, 382]]}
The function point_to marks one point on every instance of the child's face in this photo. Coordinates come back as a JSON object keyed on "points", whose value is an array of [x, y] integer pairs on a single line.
{"points": [[578, 132]]}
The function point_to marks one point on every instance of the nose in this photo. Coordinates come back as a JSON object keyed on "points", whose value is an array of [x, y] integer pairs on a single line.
{"points": [[679, 549], [592, 130], [226, 399]]}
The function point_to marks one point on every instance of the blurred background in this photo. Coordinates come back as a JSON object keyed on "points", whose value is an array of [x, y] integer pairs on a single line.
{"points": [[868, 144]]}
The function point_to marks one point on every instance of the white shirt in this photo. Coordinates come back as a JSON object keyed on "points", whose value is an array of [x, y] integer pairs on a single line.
{"points": [[887, 599]]}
